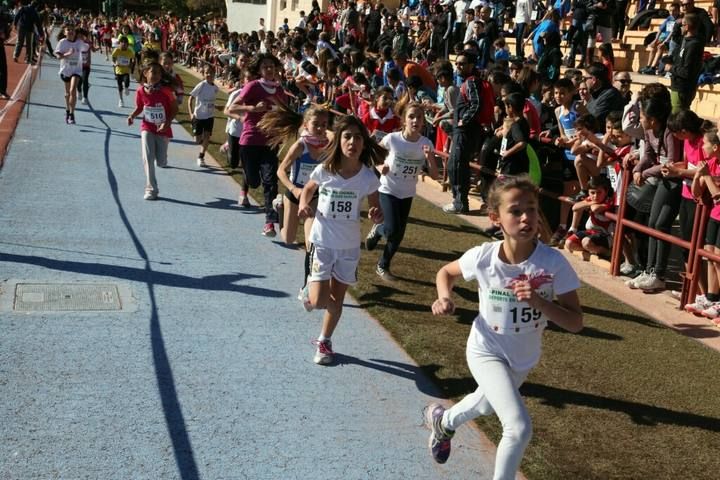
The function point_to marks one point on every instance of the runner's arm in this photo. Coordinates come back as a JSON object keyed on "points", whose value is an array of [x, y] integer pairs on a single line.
{"points": [[282, 172]]}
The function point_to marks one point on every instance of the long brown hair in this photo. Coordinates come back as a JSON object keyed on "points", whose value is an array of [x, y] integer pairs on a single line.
{"points": [[372, 153], [282, 124]]}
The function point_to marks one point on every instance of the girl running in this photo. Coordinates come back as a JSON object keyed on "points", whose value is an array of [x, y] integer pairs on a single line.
{"points": [[409, 153], [343, 179], [122, 58], [302, 158], [518, 278], [84, 84], [259, 160], [69, 50], [158, 105]]}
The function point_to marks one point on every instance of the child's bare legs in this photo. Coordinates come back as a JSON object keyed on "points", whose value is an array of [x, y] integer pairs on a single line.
{"points": [[572, 244], [328, 295], [585, 168], [594, 248], [290, 222]]}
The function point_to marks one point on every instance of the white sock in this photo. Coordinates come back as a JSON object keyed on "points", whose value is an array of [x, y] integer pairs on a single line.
{"points": [[322, 338]]}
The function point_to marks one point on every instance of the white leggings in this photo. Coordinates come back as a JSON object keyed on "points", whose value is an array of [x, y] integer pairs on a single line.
{"points": [[497, 391]]}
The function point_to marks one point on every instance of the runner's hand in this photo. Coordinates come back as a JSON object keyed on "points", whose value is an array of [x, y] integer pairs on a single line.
{"points": [[384, 169], [375, 214], [162, 127], [306, 212], [525, 293], [129, 120], [443, 306]]}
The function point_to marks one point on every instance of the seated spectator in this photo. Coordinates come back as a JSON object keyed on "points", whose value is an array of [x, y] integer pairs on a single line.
{"points": [[595, 238], [661, 43], [622, 82], [410, 68], [381, 119], [604, 97], [501, 51]]}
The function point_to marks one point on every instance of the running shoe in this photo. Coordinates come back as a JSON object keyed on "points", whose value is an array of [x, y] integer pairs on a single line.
{"points": [[121, 104], [277, 204], [558, 237], [439, 441], [385, 274], [652, 283], [452, 208], [127, 91], [150, 196], [712, 312], [373, 237], [243, 200], [632, 283], [324, 352], [304, 297], [67, 118], [629, 270], [701, 303], [84, 100], [71, 119], [201, 161], [269, 230], [580, 196]]}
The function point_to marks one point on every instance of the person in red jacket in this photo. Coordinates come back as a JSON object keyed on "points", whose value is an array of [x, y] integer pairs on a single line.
{"points": [[380, 119]]}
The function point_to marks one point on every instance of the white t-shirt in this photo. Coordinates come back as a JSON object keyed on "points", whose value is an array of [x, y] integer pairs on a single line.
{"points": [[205, 95], [337, 218], [523, 10], [406, 160], [233, 126], [460, 7], [71, 65], [504, 327]]}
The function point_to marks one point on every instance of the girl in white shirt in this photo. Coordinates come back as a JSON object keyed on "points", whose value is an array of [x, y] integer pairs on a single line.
{"points": [[409, 151], [69, 50], [518, 278], [343, 180]]}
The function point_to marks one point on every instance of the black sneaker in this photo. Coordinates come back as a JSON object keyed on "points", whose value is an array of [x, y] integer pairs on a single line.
{"points": [[384, 274], [372, 239], [580, 196]]}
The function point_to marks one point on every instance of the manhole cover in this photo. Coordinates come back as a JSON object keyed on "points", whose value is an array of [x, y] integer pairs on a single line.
{"points": [[47, 297]]}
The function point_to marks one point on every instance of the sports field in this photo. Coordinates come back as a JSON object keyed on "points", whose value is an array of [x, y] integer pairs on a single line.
{"points": [[625, 398]]}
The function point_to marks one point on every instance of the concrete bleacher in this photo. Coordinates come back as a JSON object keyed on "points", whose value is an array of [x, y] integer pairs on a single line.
{"points": [[631, 55]]}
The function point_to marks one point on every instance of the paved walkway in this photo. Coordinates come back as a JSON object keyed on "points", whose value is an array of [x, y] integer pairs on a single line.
{"points": [[207, 370]]}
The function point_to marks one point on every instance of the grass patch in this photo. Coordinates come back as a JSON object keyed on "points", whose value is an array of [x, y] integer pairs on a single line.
{"points": [[625, 398]]}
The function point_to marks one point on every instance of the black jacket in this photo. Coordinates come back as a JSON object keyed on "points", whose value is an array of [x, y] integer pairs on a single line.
{"points": [[687, 64], [704, 32], [604, 101], [27, 18]]}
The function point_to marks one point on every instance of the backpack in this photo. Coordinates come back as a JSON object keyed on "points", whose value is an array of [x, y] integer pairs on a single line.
{"points": [[486, 113]]}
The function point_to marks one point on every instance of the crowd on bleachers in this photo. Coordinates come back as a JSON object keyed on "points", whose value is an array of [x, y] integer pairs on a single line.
{"points": [[490, 112]]}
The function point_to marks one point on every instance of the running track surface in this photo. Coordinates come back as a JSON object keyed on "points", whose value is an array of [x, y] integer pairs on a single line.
{"points": [[208, 373]]}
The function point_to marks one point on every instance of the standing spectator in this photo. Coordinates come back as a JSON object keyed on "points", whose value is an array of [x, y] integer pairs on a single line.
{"points": [[26, 21], [577, 34], [522, 20], [461, 21], [492, 32], [601, 14], [604, 97], [372, 27], [687, 63], [705, 25], [5, 28], [470, 113]]}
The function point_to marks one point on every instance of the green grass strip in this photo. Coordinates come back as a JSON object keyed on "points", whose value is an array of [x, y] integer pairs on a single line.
{"points": [[625, 399]]}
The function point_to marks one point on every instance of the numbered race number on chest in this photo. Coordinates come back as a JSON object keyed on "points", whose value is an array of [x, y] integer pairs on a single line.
{"points": [[303, 174], [123, 61], [338, 204], [507, 316], [154, 115], [407, 167]]}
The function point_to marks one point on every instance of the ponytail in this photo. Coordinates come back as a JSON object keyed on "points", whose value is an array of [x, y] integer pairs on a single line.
{"points": [[282, 123]]}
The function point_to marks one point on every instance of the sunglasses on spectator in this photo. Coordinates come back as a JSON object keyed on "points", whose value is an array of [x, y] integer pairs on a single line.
{"points": [[625, 80]]}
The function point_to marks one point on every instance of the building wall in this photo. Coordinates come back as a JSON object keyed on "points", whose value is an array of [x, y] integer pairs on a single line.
{"points": [[245, 16]]}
